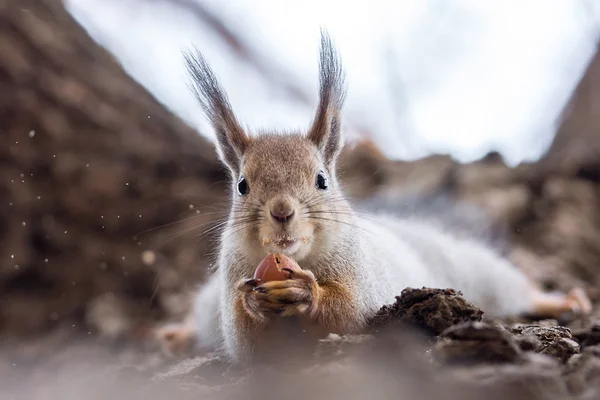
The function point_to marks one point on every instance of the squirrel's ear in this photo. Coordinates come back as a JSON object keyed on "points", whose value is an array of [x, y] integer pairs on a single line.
{"points": [[325, 131], [232, 141]]}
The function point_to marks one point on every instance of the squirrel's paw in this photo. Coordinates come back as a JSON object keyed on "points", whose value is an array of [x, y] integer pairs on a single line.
{"points": [[249, 300], [175, 339], [288, 297], [554, 305], [578, 301]]}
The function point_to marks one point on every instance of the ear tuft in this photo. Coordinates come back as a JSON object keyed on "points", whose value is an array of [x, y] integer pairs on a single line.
{"points": [[325, 131], [232, 141]]}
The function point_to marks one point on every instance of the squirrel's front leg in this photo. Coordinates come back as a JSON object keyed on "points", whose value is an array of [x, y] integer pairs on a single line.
{"points": [[328, 303], [241, 331]]}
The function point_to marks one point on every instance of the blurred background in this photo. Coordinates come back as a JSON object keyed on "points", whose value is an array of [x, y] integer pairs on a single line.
{"points": [[111, 191], [461, 77]]}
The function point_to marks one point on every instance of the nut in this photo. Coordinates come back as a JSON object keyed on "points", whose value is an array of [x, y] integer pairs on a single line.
{"points": [[270, 268]]}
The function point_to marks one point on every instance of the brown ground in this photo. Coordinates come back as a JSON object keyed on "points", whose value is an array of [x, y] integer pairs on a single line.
{"points": [[431, 343]]}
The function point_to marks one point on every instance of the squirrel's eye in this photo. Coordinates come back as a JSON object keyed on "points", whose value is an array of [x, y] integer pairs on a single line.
{"points": [[242, 186], [322, 181]]}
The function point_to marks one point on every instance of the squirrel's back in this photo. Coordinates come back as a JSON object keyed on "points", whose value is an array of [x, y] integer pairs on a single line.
{"points": [[403, 249]]}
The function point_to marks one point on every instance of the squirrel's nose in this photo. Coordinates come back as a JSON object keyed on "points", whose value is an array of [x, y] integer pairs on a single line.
{"points": [[282, 211]]}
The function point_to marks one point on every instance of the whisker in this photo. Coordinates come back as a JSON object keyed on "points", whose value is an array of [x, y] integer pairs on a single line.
{"points": [[234, 231], [236, 222], [324, 203], [325, 199], [179, 234], [338, 221], [175, 222], [245, 213], [311, 197], [219, 222], [349, 212]]}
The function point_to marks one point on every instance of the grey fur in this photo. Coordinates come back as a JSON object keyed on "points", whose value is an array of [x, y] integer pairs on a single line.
{"points": [[325, 131], [371, 255], [216, 106]]}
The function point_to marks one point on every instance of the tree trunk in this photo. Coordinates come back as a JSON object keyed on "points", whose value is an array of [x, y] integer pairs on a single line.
{"points": [[88, 161], [576, 148]]}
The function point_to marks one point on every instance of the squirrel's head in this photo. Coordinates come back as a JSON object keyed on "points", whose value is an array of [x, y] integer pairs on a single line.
{"points": [[284, 186]]}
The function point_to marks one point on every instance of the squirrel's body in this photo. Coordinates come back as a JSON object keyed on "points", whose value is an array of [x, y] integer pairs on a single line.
{"points": [[394, 253], [286, 198]]}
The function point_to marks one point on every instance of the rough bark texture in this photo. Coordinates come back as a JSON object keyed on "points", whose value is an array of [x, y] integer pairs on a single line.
{"points": [[576, 146], [88, 161]]}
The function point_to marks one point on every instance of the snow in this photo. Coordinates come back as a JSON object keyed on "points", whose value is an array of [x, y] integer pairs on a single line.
{"points": [[462, 77]]}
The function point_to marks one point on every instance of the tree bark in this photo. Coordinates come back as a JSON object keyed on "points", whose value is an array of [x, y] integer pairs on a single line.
{"points": [[576, 148], [88, 161]]}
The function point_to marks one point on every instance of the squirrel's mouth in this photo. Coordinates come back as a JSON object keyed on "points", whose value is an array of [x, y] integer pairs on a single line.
{"points": [[284, 240], [286, 244]]}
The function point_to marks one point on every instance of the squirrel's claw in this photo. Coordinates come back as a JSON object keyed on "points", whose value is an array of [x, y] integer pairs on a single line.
{"points": [[303, 275], [248, 285], [249, 301], [288, 297]]}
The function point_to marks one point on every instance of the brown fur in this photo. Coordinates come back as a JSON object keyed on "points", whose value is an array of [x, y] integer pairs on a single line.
{"points": [[333, 308], [263, 159]]}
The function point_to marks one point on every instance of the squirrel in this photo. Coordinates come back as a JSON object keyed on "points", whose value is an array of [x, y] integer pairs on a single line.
{"points": [[286, 198]]}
